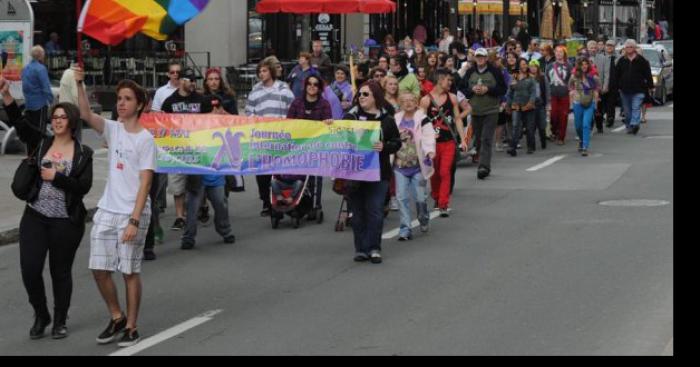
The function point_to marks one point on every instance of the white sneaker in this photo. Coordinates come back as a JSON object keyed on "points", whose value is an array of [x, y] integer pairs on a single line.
{"points": [[499, 147], [394, 206]]}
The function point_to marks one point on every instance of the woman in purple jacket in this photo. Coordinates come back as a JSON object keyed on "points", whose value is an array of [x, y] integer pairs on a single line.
{"points": [[312, 106]]}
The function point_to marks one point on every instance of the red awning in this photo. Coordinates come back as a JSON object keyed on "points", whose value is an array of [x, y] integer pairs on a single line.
{"points": [[326, 6]]}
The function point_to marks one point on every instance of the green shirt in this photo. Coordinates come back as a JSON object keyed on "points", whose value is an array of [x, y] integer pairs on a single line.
{"points": [[486, 104]]}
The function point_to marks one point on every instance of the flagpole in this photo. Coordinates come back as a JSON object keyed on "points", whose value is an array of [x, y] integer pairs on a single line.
{"points": [[78, 9]]}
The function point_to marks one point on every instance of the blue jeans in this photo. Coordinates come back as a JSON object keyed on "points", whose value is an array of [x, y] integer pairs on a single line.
{"points": [[368, 215], [218, 200], [632, 105], [583, 120], [528, 119], [407, 188]]}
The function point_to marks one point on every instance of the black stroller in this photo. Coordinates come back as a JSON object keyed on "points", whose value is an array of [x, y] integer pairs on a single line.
{"points": [[303, 205]]}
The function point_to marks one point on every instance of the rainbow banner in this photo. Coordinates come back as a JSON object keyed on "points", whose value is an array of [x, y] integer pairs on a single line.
{"points": [[239, 145], [113, 21]]}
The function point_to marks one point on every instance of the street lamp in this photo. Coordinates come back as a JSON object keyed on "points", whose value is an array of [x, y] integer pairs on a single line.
{"points": [[585, 9], [474, 13]]}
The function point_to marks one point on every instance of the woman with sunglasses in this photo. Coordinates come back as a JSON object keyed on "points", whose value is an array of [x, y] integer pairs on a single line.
{"points": [[53, 222], [367, 202], [312, 106]]}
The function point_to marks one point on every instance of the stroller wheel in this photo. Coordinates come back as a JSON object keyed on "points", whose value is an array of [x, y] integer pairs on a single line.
{"points": [[297, 222], [312, 215], [319, 220], [275, 221]]}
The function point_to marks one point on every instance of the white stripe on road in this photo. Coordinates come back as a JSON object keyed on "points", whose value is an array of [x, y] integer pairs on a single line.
{"points": [[620, 129], [546, 163], [167, 334], [395, 232]]}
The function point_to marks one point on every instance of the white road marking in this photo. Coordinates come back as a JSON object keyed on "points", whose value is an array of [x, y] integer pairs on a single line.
{"points": [[619, 129], [395, 232], [167, 334], [546, 163]]}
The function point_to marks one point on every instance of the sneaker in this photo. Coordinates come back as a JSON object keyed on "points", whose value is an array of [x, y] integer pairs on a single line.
{"points": [[578, 139], [130, 337], [424, 228], [361, 257], [178, 225], [635, 129], [512, 152], [519, 146], [265, 212], [584, 152], [444, 213], [499, 147], [110, 333], [482, 173], [472, 151], [187, 245], [203, 215], [375, 257], [149, 255], [405, 238], [394, 205], [230, 239]]}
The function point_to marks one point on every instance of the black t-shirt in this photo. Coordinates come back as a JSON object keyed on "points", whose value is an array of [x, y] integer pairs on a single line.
{"points": [[194, 103]]}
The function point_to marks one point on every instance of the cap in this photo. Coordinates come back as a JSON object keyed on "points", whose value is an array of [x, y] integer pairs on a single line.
{"points": [[481, 52], [534, 62], [611, 43], [188, 74]]}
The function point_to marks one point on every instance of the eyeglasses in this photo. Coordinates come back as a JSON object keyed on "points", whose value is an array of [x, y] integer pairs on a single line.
{"points": [[310, 84], [365, 94], [59, 117]]}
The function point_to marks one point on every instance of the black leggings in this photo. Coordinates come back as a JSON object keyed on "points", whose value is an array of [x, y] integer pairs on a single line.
{"points": [[60, 238]]}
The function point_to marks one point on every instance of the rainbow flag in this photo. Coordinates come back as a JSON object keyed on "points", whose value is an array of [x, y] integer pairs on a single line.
{"points": [[113, 21]]}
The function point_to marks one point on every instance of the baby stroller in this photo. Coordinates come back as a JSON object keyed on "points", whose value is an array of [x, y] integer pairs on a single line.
{"points": [[298, 207]]}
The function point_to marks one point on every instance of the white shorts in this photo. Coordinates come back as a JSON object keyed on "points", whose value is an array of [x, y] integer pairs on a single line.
{"points": [[177, 184], [108, 252]]}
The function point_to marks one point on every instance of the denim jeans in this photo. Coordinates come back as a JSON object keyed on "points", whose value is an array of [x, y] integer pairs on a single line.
{"points": [[583, 120], [541, 124], [218, 200], [528, 118], [368, 215], [632, 105], [408, 188]]}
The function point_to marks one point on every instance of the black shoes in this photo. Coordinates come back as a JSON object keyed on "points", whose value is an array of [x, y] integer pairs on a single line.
{"points": [[635, 129], [265, 212], [361, 257], [178, 225], [482, 173], [203, 215], [444, 213], [584, 152], [230, 239], [512, 152], [375, 257], [186, 245], [130, 337], [59, 330], [110, 333], [149, 255], [40, 323]]}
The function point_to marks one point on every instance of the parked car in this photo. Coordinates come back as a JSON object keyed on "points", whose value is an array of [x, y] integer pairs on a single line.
{"points": [[667, 44], [661, 69]]}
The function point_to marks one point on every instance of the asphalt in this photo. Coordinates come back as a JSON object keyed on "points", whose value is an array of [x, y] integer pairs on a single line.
{"points": [[529, 263]]}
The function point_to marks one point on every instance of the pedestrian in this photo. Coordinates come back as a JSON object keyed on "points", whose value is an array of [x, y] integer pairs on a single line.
{"points": [[485, 86], [557, 76], [547, 57], [540, 102], [601, 64], [367, 202], [124, 211], [320, 60], [425, 84], [503, 117], [533, 51], [53, 47], [215, 85], [606, 109], [407, 80], [584, 87], [519, 49], [522, 95], [664, 27], [633, 79], [316, 108], [378, 74], [174, 71], [658, 32], [442, 108], [432, 67], [53, 222], [390, 85], [269, 98], [36, 88], [300, 73], [419, 57], [383, 63], [391, 50], [341, 87], [445, 41], [184, 100], [413, 164]]}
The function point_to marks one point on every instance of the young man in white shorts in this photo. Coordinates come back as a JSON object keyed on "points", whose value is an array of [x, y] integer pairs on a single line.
{"points": [[124, 211]]}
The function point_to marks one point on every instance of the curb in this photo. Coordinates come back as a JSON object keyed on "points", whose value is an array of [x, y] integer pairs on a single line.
{"points": [[10, 236]]}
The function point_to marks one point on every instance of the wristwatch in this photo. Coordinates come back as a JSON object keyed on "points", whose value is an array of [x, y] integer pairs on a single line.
{"points": [[134, 222]]}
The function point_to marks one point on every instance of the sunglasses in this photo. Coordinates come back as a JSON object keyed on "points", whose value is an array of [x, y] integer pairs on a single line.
{"points": [[312, 84], [365, 94]]}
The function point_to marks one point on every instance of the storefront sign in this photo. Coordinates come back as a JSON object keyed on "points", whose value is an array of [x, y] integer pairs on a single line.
{"points": [[16, 40]]}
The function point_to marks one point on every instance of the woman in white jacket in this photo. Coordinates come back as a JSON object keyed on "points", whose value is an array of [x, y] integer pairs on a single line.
{"points": [[413, 163]]}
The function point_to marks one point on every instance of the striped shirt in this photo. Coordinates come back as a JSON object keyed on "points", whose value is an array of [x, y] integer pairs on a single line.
{"points": [[271, 101]]}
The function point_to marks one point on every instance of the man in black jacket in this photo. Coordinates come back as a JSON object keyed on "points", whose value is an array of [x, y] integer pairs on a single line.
{"points": [[484, 86], [633, 79]]}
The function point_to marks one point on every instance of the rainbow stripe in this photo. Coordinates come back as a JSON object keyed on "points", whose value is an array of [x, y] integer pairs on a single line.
{"points": [[113, 21]]}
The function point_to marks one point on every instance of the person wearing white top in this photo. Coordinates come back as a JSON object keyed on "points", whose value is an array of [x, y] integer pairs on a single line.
{"points": [[174, 72], [120, 225]]}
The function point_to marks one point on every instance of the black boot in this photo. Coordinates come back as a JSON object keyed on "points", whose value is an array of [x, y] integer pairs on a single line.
{"points": [[59, 330], [41, 321]]}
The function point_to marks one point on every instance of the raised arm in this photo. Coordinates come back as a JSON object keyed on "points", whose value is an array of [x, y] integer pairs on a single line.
{"points": [[94, 120]]}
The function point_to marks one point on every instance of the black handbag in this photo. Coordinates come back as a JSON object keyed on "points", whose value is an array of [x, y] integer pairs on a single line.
{"points": [[26, 176]]}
